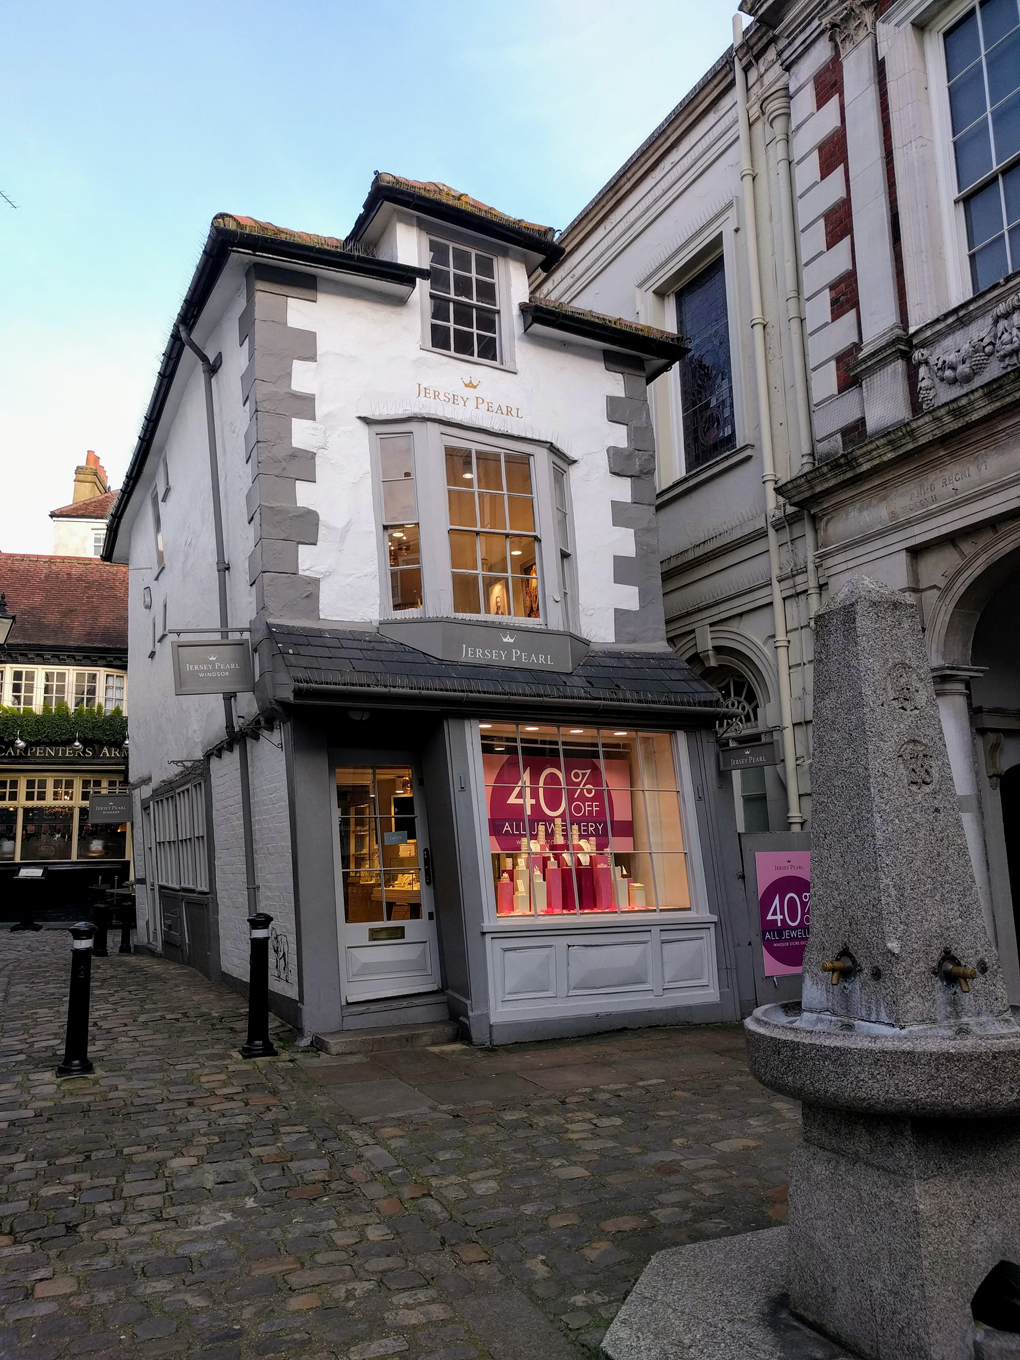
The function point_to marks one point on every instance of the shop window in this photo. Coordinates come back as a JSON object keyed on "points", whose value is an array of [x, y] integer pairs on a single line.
{"points": [[561, 505], [47, 833], [379, 848], [463, 311], [113, 694], [582, 820], [103, 840], [22, 689], [8, 818], [493, 541], [400, 520], [54, 688], [86, 688], [706, 378], [982, 53]]}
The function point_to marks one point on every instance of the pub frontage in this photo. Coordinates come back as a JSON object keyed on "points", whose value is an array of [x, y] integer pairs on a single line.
{"points": [[468, 778]]}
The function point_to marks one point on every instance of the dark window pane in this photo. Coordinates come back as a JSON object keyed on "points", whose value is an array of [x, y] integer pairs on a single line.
{"points": [[395, 456], [1006, 125], [439, 252], [463, 316], [406, 588], [100, 841], [997, 18], [496, 595], [518, 474], [465, 594], [485, 291], [1003, 63], [963, 45], [973, 155], [485, 265], [491, 513], [967, 98], [404, 546], [984, 215], [1014, 246], [441, 337], [493, 549], [988, 265], [706, 386], [487, 347], [440, 280], [440, 310], [462, 260], [46, 833], [522, 514], [463, 342], [463, 286], [398, 501], [462, 508], [485, 321], [458, 466], [463, 553], [1011, 187], [490, 472]]}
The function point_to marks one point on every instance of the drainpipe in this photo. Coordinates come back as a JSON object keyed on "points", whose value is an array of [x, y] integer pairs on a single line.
{"points": [[794, 816], [776, 108], [209, 368]]}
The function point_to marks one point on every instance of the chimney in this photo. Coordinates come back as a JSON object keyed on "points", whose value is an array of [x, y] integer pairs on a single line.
{"points": [[89, 479]]}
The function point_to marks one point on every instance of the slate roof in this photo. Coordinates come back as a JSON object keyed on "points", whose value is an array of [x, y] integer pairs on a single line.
{"points": [[65, 604], [96, 507], [316, 661]]}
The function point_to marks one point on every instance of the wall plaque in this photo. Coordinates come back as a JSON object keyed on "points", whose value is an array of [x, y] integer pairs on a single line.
{"points": [[483, 644], [111, 809], [212, 667], [748, 757]]}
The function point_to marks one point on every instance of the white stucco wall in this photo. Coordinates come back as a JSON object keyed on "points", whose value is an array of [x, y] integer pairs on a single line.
{"points": [[73, 537]]}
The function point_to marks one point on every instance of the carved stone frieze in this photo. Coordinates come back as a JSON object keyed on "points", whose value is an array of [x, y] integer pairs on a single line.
{"points": [[982, 349]]}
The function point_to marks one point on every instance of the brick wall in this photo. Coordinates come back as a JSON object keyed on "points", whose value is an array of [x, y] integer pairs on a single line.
{"points": [[832, 154]]}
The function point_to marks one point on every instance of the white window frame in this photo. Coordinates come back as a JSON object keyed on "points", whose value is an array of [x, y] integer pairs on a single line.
{"points": [[180, 838], [656, 305], [159, 543], [429, 438], [98, 540], [505, 330]]}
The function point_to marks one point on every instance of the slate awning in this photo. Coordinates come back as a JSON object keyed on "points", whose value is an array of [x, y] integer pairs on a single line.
{"points": [[359, 666]]}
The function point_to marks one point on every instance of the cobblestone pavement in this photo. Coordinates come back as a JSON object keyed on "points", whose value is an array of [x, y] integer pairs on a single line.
{"points": [[184, 1202]]}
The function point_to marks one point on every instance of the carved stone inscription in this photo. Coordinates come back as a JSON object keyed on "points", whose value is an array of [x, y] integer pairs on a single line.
{"points": [[916, 759], [904, 687]]}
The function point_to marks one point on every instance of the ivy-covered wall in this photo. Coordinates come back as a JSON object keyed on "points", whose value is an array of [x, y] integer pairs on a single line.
{"points": [[61, 724]]}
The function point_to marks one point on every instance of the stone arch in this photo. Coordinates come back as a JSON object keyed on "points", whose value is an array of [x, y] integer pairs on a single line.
{"points": [[957, 611]]}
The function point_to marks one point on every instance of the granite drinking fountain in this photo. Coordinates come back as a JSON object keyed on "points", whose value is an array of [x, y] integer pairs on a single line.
{"points": [[904, 1231]]}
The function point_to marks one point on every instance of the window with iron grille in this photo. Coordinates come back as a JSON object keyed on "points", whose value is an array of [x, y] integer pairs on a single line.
{"points": [[983, 67], [464, 312], [706, 377]]}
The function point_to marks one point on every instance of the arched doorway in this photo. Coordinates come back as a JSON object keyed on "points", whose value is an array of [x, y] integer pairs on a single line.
{"points": [[742, 723]]}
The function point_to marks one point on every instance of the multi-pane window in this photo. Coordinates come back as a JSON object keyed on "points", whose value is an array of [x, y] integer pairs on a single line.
{"points": [[113, 695], [582, 820], [35, 790], [400, 520], [462, 298], [54, 687], [22, 689], [706, 377], [98, 539], [63, 791], [493, 544], [86, 688], [49, 820], [157, 528], [8, 818], [566, 568], [983, 65], [179, 825]]}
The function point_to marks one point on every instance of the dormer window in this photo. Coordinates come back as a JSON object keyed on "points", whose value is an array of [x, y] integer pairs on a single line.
{"points": [[464, 312]]}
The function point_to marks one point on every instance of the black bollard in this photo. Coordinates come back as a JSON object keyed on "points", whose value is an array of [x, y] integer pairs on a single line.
{"points": [[102, 914], [76, 1045], [258, 1044]]}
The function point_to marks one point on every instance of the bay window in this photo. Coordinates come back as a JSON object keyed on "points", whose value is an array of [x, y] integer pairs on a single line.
{"points": [[583, 820], [86, 688], [22, 689], [54, 688], [113, 696], [400, 520], [493, 544]]}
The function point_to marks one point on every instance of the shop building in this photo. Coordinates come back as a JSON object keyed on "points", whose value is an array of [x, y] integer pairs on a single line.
{"points": [[63, 697], [469, 777]]}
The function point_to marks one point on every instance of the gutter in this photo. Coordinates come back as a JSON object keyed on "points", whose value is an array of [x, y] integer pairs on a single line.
{"points": [[656, 345], [219, 245]]}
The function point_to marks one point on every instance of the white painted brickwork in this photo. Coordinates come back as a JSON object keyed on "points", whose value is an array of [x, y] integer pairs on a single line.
{"points": [[228, 837], [273, 863]]}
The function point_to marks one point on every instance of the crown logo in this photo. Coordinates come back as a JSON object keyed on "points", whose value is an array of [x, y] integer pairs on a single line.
{"points": [[468, 382], [508, 637]]}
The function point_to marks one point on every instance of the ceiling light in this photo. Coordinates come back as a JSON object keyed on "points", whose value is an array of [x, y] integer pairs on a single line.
{"points": [[531, 729], [516, 552], [576, 731], [469, 476], [485, 724], [619, 734]]}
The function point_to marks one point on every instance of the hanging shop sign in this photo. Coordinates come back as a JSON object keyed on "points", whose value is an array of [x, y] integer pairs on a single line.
{"points": [[110, 809], [554, 805], [212, 667], [483, 644], [748, 757], [784, 907]]}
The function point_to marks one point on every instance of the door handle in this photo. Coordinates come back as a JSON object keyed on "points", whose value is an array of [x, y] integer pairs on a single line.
{"points": [[426, 865]]}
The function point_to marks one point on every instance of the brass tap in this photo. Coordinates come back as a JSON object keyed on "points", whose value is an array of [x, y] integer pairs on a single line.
{"points": [[835, 968], [961, 975]]}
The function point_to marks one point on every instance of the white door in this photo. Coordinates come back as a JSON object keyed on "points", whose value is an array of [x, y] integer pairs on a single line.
{"points": [[388, 920]]}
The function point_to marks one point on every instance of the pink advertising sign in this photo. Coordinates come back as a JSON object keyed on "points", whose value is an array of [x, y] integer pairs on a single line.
{"points": [[784, 906], [590, 795]]}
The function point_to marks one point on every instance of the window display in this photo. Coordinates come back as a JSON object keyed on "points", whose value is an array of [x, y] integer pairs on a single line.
{"points": [[583, 820], [378, 844], [45, 817]]}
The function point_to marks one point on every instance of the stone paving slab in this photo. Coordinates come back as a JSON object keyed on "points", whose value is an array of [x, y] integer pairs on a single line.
{"points": [[182, 1202]]}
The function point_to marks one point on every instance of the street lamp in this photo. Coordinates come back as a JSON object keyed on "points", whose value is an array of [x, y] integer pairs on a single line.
{"points": [[7, 620]]}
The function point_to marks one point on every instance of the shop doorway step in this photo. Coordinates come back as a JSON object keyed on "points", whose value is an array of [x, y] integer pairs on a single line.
{"points": [[388, 1037]]}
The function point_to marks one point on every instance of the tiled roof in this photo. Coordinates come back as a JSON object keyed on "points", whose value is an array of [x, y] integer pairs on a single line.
{"points": [[269, 229], [65, 603], [442, 193], [352, 660], [634, 328], [96, 507]]}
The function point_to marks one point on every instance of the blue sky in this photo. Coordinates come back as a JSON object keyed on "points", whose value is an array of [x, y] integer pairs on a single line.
{"points": [[128, 125]]}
